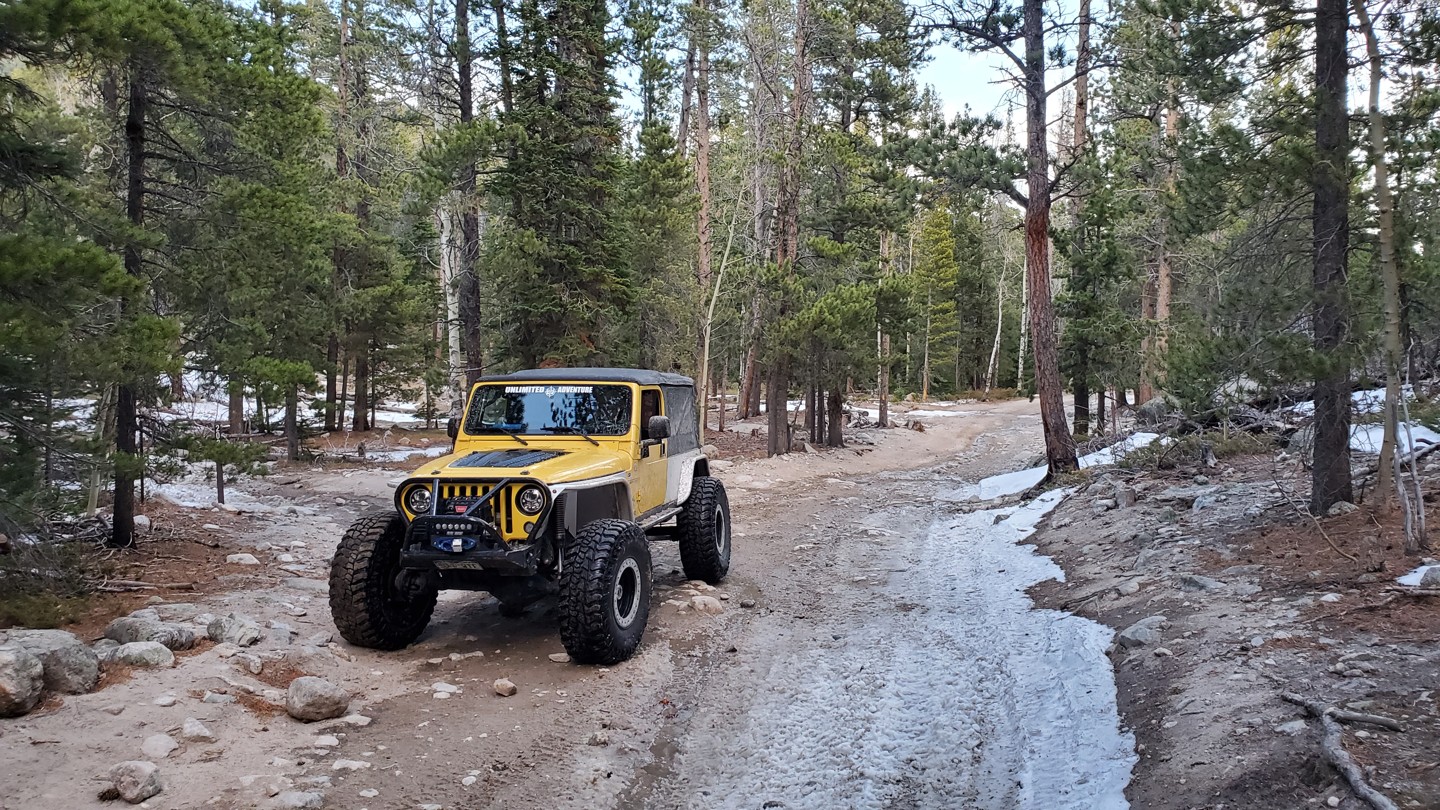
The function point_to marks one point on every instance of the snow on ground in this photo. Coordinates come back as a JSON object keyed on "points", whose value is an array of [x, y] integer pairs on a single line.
{"points": [[997, 486], [1368, 401], [971, 699], [1367, 438], [1413, 578], [402, 453]]}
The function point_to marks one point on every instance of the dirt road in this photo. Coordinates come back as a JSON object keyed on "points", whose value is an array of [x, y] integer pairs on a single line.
{"points": [[876, 649]]}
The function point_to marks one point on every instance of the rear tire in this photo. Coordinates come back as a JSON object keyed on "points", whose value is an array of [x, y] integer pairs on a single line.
{"points": [[605, 592], [704, 532], [368, 609]]}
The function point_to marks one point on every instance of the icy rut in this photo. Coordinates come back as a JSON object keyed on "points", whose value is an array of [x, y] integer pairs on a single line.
{"points": [[970, 698]]}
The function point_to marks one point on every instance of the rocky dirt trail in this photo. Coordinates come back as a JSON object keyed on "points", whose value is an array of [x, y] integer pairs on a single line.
{"points": [[873, 647]]}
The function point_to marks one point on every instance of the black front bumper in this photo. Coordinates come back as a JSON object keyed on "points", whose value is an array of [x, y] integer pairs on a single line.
{"points": [[490, 552]]}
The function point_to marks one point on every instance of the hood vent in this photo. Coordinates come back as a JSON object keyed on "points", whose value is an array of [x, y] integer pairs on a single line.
{"points": [[507, 458]]}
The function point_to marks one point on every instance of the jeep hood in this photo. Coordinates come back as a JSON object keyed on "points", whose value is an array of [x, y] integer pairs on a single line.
{"points": [[553, 465]]}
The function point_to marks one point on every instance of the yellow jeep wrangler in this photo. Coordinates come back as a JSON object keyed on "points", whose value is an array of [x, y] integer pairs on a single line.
{"points": [[558, 481]]}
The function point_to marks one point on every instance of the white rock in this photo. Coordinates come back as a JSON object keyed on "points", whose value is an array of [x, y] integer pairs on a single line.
{"points": [[1330, 597], [707, 604], [195, 731], [210, 527], [1145, 631], [504, 687], [242, 559], [1292, 728], [310, 699], [136, 780], [164, 700], [141, 654], [369, 793], [236, 629], [299, 800], [142, 523], [468, 781], [441, 686], [441, 696], [70, 667], [359, 720], [326, 741], [560, 658], [349, 765], [598, 738], [158, 746]]}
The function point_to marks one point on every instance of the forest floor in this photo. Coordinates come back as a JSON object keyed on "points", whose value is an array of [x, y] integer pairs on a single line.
{"points": [[878, 648]]}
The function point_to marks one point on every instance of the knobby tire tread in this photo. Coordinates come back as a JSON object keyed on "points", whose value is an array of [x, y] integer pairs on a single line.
{"points": [[358, 586]]}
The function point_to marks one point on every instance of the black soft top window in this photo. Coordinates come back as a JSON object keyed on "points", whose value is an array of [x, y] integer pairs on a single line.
{"points": [[549, 409]]}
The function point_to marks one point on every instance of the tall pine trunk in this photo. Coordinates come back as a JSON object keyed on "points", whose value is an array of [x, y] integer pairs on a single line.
{"points": [[362, 389], [292, 423], [1081, 135], [702, 214], [127, 459], [469, 279], [1330, 474], [1059, 443]]}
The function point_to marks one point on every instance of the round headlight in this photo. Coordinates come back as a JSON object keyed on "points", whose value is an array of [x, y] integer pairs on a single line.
{"points": [[530, 500], [417, 500]]}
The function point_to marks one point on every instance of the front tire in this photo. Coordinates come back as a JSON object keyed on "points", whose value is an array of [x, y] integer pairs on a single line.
{"points": [[704, 531], [368, 609], [605, 592]]}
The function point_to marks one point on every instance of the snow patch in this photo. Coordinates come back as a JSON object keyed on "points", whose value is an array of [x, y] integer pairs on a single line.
{"points": [[973, 699], [1413, 578], [1367, 438], [997, 486], [1368, 401]]}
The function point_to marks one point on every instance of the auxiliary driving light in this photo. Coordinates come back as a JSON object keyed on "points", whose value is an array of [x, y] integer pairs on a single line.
{"points": [[530, 500]]}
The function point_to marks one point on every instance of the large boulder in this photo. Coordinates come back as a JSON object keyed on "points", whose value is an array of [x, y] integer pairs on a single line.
{"points": [[310, 699], [141, 654], [234, 629], [136, 780], [127, 629], [70, 666], [1152, 412], [22, 679]]}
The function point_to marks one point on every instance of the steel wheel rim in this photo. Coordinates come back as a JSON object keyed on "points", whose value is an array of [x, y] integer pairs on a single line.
{"points": [[626, 596], [722, 531]]}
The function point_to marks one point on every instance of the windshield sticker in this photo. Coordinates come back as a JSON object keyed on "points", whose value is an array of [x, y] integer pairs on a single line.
{"points": [[549, 390]]}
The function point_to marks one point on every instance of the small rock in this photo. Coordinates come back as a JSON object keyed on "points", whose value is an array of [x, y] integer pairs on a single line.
{"points": [[299, 800], [447, 688], [504, 687], [369, 793], [141, 654], [560, 658], [114, 708], [349, 765], [707, 604], [326, 741], [234, 629], [142, 523], [1105, 504], [747, 603], [136, 780], [320, 639], [1129, 587], [358, 720], [1292, 728], [1431, 577], [311, 699], [1333, 801], [195, 731], [164, 700], [1201, 480], [1145, 631], [242, 559], [468, 781], [1196, 582], [1164, 652], [158, 746], [1330, 597], [598, 738], [1341, 508], [217, 697], [1126, 496]]}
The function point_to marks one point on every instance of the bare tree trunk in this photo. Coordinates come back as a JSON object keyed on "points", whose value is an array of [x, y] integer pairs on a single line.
{"points": [[1330, 474], [344, 392], [1385, 487], [332, 356], [1024, 328], [1080, 134], [702, 185], [220, 482], [237, 409], [835, 431], [362, 390], [1059, 443], [469, 282], [994, 364]]}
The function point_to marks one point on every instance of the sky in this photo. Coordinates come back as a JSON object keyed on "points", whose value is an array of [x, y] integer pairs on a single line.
{"points": [[965, 79]]}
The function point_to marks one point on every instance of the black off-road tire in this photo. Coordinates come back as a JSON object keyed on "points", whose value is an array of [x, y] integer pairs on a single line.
{"points": [[704, 531], [368, 610], [605, 592]]}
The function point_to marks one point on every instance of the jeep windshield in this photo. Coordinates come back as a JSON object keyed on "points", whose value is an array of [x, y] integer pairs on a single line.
{"points": [[549, 410]]}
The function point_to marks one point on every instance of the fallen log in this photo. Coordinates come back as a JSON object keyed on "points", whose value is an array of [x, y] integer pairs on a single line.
{"points": [[1332, 750]]}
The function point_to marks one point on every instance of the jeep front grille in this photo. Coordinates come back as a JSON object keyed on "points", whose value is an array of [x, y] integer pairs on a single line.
{"points": [[502, 505]]}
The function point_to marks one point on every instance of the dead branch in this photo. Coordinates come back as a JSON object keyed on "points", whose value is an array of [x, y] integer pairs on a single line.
{"points": [[1317, 709], [1372, 606], [1332, 750], [1313, 519]]}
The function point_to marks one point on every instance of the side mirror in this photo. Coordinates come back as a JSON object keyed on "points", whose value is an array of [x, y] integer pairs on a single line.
{"points": [[452, 428], [659, 427]]}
